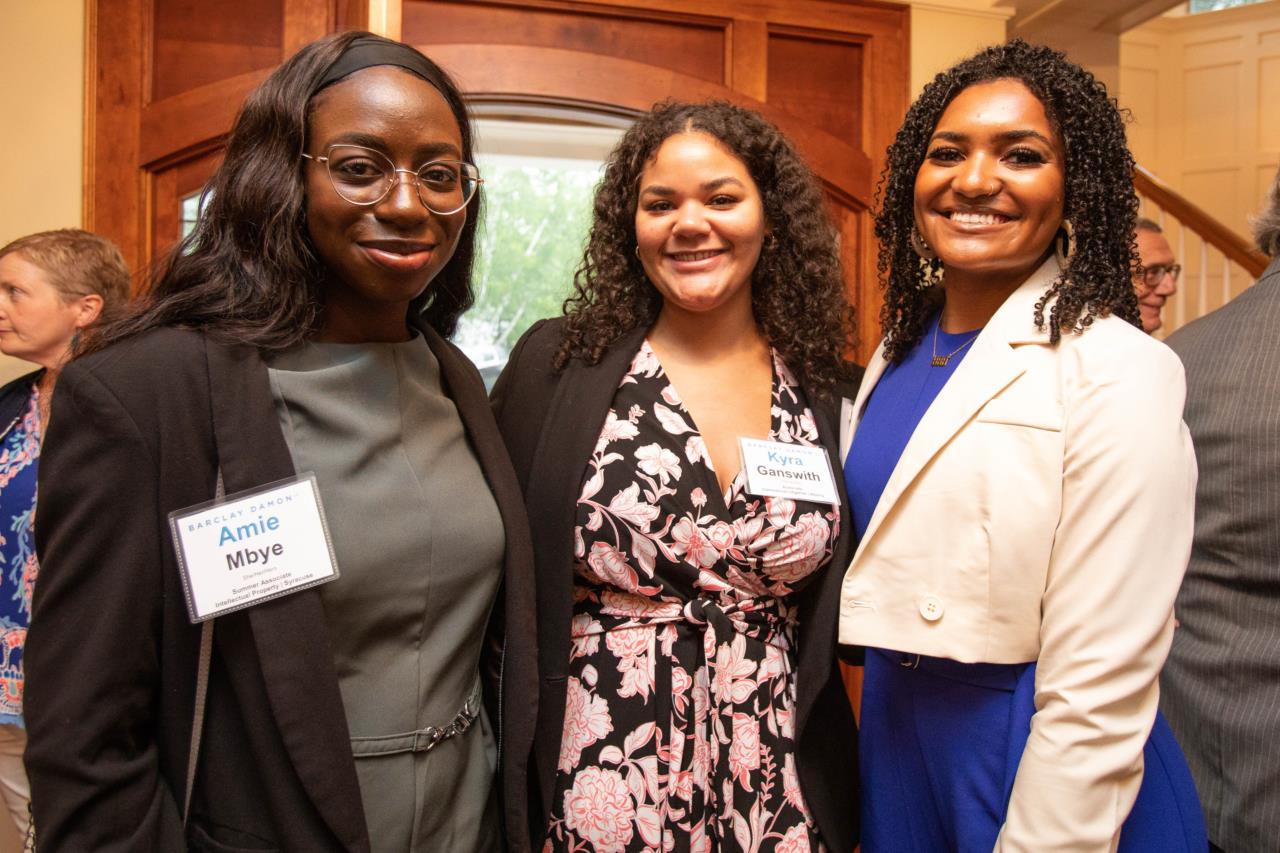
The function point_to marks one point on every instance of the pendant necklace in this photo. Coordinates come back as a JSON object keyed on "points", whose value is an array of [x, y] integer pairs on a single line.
{"points": [[941, 360]]}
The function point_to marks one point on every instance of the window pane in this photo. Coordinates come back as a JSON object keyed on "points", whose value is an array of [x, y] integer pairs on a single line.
{"points": [[539, 183], [1214, 5], [192, 207]]}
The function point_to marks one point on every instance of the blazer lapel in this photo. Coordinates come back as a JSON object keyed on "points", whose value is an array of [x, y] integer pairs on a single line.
{"points": [[816, 653], [988, 369], [290, 633], [467, 392], [520, 631], [851, 411], [569, 433]]}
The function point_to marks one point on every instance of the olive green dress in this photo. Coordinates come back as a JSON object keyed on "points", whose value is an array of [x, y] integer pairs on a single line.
{"points": [[419, 543]]}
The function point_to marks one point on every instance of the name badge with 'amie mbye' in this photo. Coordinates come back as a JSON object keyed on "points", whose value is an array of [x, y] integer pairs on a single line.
{"points": [[253, 546], [779, 470]]}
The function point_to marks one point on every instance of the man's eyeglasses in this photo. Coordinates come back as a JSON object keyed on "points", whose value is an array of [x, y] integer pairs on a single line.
{"points": [[1154, 274], [365, 176]]}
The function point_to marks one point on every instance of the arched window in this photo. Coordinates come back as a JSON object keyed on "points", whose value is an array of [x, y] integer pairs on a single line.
{"points": [[539, 178]]}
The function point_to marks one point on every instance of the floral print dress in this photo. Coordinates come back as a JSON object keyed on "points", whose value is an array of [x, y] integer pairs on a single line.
{"points": [[19, 455], [679, 728]]}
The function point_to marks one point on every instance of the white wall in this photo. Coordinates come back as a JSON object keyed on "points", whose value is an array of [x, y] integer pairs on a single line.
{"points": [[42, 112], [1203, 90], [943, 32]]}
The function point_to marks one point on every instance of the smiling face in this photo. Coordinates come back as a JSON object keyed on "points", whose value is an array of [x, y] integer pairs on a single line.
{"points": [[699, 224], [989, 195], [381, 256], [36, 323], [1154, 250]]}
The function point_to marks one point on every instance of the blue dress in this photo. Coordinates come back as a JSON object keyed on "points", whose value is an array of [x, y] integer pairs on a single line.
{"points": [[19, 455], [940, 740]]}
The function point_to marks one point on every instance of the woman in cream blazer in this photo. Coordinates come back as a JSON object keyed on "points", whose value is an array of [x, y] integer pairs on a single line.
{"points": [[1022, 484]]}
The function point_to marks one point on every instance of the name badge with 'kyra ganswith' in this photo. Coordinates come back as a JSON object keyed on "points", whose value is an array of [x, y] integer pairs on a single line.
{"points": [[779, 470]]}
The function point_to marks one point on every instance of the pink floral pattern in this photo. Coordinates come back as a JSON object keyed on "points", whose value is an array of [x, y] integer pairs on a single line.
{"points": [[678, 730], [19, 456]]}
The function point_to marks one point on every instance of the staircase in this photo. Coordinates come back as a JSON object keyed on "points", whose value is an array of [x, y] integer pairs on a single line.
{"points": [[1217, 263]]}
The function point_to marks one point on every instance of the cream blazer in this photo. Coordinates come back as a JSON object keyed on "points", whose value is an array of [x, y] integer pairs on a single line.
{"points": [[1041, 511]]}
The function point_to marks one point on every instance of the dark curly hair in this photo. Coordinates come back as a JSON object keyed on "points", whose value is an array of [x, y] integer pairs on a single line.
{"points": [[797, 295], [248, 273], [1100, 200]]}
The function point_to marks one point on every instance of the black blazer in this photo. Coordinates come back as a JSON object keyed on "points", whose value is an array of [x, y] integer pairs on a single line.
{"points": [[139, 430], [551, 421]]}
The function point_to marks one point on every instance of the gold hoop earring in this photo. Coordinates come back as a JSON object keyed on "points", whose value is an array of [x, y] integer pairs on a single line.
{"points": [[1064, 243], [920, 247]]}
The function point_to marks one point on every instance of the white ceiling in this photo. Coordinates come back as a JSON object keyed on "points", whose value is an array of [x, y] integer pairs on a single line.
{"points": [[1109, 16]]}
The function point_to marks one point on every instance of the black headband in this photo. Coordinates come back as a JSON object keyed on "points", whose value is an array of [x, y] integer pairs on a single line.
{"points": [[366, 52]]}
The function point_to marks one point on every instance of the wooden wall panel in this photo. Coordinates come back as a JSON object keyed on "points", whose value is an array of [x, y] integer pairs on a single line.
{"points": [[169, 186], [117, 50], [686, 44], [192, 48], [1201, 90], [566, 78], [820, 78]]}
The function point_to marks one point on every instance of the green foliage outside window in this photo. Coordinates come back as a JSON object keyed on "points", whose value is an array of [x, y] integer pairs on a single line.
{"points": [[537, 214]]}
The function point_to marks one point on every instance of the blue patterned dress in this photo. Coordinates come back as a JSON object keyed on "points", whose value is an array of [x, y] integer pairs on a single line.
{"points": [[19, 454]]}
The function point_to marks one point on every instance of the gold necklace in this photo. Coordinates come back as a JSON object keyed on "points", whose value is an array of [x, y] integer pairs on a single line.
{"points": [[941, 360]]}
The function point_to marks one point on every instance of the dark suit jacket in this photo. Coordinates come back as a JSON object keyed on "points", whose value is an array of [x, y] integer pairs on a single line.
{"points": [[551, 422], [1220, 688], [138, 431]]}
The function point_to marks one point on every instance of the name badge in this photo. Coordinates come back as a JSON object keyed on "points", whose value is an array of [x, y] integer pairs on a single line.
{"points": [[252, 547], [778, 470]]}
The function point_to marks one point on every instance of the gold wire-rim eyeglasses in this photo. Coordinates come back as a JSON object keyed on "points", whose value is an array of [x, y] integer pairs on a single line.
{"points": [[469, 176], [1154, 274]]}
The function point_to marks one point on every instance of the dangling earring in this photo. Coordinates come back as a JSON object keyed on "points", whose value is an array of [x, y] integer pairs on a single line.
{"points": [[920, 247], [1064, 243], [929, 274], [770, 242]]}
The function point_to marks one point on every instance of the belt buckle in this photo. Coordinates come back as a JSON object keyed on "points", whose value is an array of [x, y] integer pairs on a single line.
{"points": [[431, 735]]}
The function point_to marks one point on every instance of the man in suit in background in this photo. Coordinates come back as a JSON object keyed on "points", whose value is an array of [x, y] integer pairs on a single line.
{"points": [[1158, 279], [1221, 686]]}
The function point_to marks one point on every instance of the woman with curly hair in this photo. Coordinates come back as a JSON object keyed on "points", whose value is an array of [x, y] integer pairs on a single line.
{"points": [[690, 698], [1022, 483]]}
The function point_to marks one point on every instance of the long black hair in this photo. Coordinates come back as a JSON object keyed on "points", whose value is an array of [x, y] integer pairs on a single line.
{"points": [[797, 294], [248, 272], [1100, 200]]}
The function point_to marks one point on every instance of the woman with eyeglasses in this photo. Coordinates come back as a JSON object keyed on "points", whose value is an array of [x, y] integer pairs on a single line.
{"points": [[301, 330], [1022, 482], [675, 434]]}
